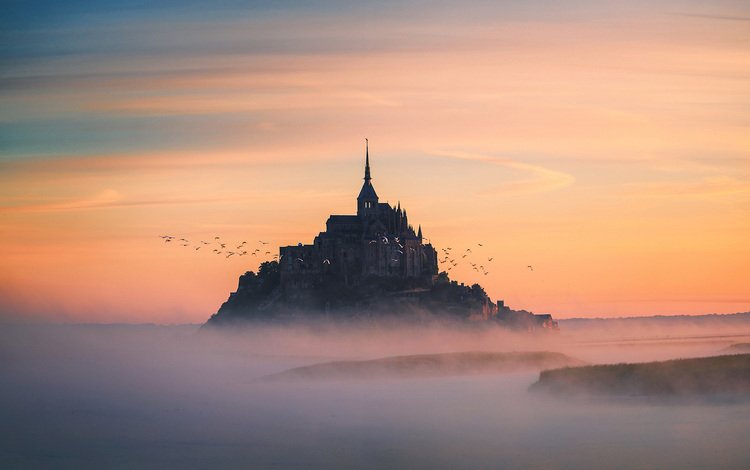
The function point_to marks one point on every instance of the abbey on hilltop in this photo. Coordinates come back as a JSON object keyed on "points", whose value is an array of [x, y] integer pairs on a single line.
{"points": [[377, 241], [366, 265]]}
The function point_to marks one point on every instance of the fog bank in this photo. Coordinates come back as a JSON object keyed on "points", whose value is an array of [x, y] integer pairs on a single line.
{"points": [[174, 397]]}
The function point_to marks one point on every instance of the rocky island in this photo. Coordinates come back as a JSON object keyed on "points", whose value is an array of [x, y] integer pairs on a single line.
{"points": [[370, 265]]}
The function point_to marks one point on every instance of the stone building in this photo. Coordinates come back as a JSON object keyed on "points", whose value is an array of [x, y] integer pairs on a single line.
{"points": [[376, 242]]}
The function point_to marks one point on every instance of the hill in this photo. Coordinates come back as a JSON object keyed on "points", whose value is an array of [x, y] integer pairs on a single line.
{"points": [[429, 365], [727, 375]]}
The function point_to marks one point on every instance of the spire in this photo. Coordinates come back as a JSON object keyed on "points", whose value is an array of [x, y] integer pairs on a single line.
{"points": [[419, 233], [367, 160], [367, 201]]}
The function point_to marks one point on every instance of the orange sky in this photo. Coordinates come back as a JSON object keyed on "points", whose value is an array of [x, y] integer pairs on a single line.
{"points": [[607, 147]]}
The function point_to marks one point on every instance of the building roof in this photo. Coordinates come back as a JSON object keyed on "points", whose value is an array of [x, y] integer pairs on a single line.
{"points": [[367, 191], [343, 218]]}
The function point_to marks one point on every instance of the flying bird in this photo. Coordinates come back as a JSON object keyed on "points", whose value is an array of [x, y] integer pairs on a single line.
{"points": [[326, 261], [530, 267], [490, 259]]}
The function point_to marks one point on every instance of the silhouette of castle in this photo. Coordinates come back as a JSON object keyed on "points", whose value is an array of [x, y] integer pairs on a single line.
{"points": [[377, 241], [364, 266]]}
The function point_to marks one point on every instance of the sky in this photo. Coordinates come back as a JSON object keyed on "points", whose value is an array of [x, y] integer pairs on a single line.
{"points": [[606, 144]]}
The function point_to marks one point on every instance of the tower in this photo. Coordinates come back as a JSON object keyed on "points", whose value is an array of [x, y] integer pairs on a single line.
{"points": [[367, 201]]}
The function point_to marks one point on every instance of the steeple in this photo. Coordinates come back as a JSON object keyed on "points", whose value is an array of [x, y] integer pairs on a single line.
{"points": [[367, 160], [419, 233], [367, 201]]}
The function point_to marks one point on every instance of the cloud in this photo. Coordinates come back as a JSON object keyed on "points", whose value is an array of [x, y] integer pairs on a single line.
{"points": [[107, 199], [709, 188], [541, 179], [716, 17]]}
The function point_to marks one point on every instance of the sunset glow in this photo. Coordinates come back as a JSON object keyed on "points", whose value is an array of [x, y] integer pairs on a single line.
{"points": [[606, 145]]}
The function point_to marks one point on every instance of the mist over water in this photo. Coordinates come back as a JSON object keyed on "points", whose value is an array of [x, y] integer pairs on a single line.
{"points": [[117, 396]]}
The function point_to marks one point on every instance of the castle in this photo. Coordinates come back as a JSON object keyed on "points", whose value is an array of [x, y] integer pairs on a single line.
{"points": [[370, 264], [377, 241]]}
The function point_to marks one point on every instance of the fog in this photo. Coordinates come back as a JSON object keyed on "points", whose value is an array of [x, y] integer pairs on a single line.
{"points": [[119, 396]]}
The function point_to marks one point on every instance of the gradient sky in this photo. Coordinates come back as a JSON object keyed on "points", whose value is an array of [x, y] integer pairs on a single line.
{"points": [[605, 143]]}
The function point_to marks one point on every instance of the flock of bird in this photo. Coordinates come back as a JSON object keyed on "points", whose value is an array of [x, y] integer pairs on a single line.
{"points": [[221, 247], [450, 258]]}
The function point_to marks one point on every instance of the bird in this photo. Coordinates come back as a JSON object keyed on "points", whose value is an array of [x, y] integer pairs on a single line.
{"points": [[326, 261], [268, 252], [216, 238], [223, 245], [490, 259], [197, 248], [262, 242], [300, 260], [253, 253], [468, 250], [373, 241], [530, 267], [464, 256], [480, 244], [230, 254], [204, 242]]}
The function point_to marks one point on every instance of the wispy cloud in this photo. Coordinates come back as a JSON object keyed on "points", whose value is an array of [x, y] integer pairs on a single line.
{"points": [[540, 179], [709, 188], [108, 199]]}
